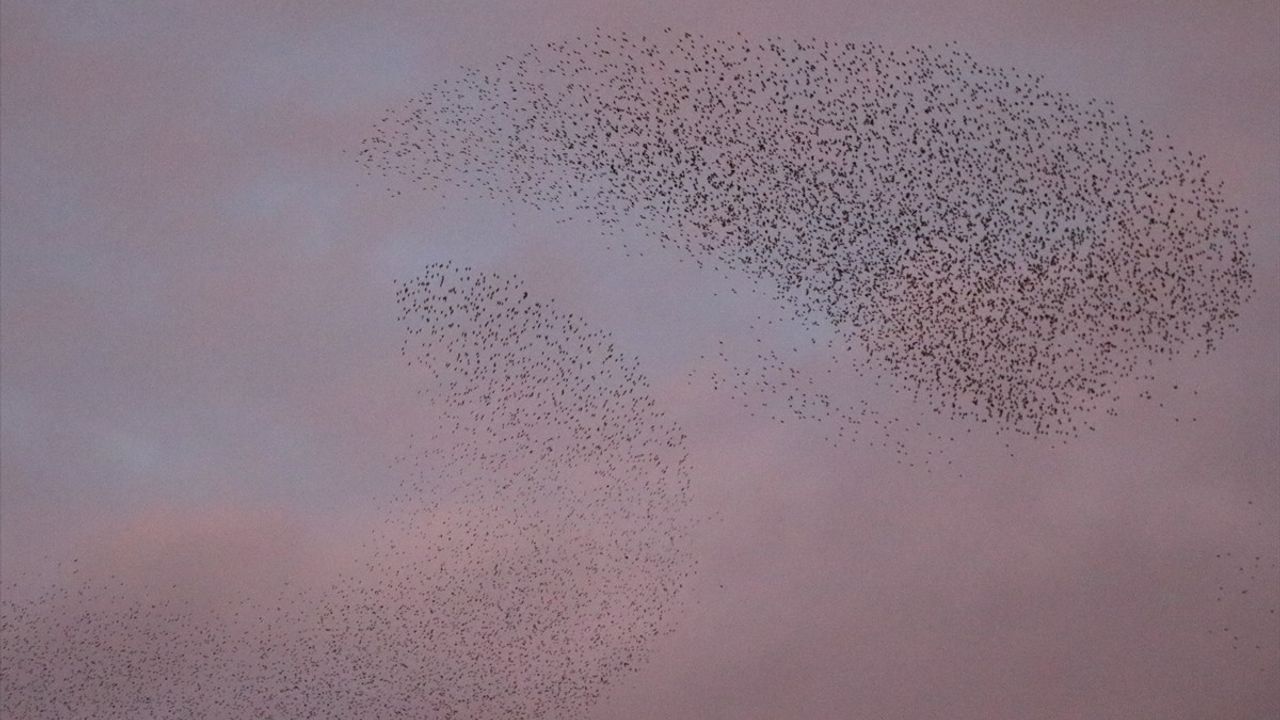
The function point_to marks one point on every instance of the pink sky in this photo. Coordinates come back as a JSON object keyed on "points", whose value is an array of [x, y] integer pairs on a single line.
{"points": [[200, 359]]}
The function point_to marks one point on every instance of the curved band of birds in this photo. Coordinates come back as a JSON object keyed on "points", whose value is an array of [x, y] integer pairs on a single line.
{"points": [[1004, 250]]}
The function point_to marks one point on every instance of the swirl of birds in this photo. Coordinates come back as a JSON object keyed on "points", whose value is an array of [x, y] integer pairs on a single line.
{"points": [[1003, 251], [535, 548]]}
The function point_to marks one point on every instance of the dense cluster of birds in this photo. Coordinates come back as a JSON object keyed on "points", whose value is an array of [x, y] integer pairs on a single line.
{"points": [[533, 552], [573, 487], [1000, 249], [116, 648]]}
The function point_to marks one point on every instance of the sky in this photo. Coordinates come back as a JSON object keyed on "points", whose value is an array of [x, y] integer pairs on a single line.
{"points": [[200, 378]]}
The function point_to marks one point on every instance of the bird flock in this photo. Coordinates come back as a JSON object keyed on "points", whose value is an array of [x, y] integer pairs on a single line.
{"points": [[1002, 250], [533, 552], [574, 484]]}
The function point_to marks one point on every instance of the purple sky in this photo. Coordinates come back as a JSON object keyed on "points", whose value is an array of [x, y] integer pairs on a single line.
{"points": [[201, 375]]}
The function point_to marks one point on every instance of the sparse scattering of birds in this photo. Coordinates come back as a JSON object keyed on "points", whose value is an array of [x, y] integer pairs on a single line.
{"points": [[1245, 582], [808, 385], [1001, 250], [533, 552]]}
